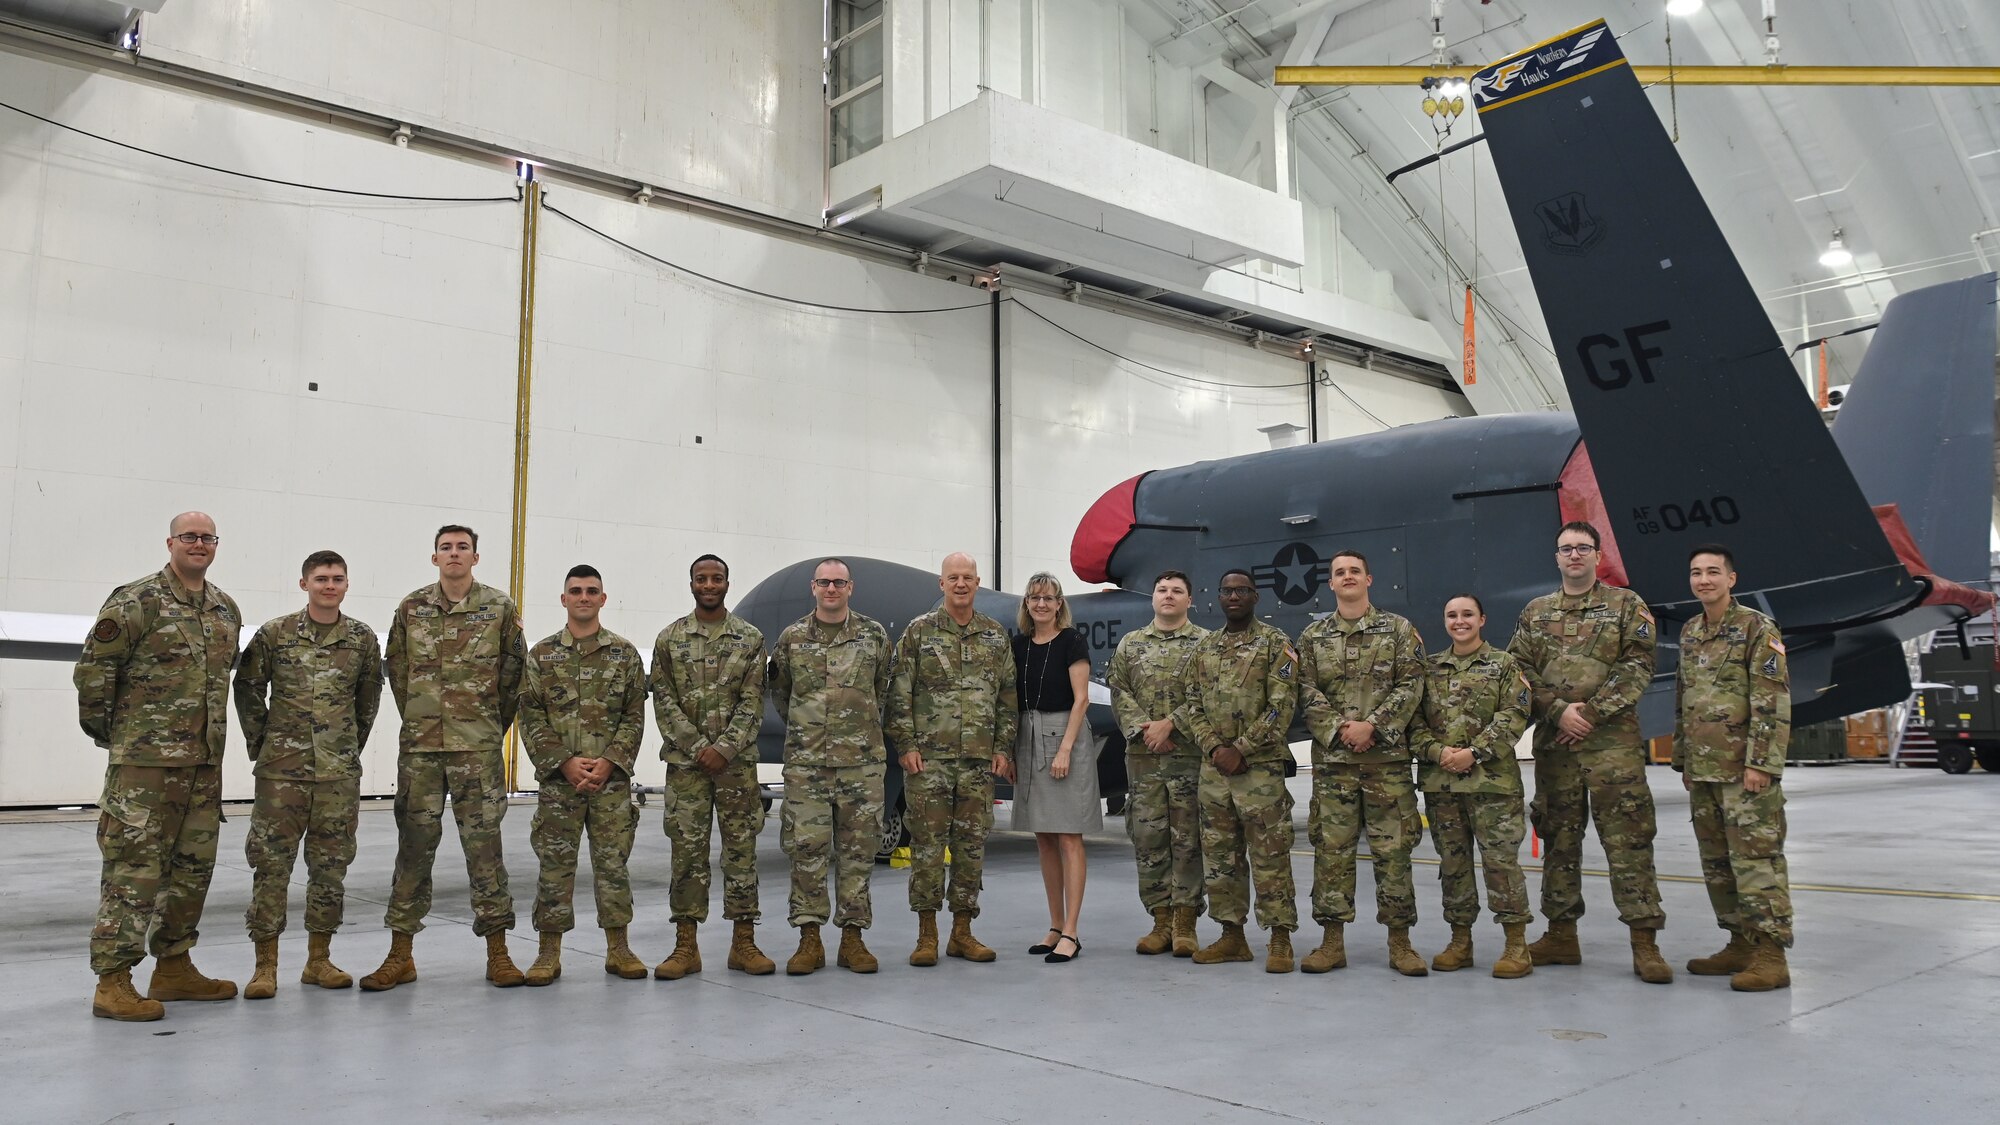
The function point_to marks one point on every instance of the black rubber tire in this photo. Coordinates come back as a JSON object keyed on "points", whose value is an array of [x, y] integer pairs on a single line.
{"points": [[1954, 757], [1989, 757], [895, 829]]}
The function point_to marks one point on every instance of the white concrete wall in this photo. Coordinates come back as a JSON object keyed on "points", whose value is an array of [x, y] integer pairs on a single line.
{"points": [[718, 98]]}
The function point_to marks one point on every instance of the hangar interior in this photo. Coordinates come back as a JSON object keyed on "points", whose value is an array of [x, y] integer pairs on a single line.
{"points": [[625, 281]]}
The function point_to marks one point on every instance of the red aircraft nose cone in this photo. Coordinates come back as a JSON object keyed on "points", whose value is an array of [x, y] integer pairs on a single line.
{"points": [[1102, 529]]}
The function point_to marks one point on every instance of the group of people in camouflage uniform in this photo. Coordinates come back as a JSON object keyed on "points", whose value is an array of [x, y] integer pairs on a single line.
{"points": [[1205, 715]]}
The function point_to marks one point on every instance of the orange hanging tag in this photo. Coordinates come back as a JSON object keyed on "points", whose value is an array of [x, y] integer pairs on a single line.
{"points": [[1471, 366]]}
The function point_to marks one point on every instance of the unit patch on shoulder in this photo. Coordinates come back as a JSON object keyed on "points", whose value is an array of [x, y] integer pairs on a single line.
{"points": [[106, 631]]}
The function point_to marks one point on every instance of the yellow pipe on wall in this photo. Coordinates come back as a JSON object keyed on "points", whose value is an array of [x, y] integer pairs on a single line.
{"points": [[1680, 75], [524, 382]]}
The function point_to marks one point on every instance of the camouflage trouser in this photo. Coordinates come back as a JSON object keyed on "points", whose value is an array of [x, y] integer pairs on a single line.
{"points": [[325, 815], [732, 795], [1495, 820], [562, 817], [1573, 786], [157, 835], [832, 812], [1246, 838], [1380, 797], [476, 784], [1163, 818], [951, 806], [1741, 837]]}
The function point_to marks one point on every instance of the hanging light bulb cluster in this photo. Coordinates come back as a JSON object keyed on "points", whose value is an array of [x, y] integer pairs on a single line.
{"points": [[1444, 102]]}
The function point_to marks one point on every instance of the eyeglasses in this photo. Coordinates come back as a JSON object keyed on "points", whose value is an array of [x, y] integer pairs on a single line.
{"points": [[1575, 549], [191, 538], [832, 583], [1043, 599], [1235, 591]]}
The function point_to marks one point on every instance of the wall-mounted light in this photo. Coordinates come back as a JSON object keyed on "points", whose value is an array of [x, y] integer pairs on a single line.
{"points": [[1683, 7], [1837, 255]]}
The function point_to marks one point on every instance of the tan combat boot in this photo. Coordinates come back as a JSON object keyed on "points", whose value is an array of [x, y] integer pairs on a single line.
{"points": [[1727, 961], [1557, 946], [926, 953], [397, 968], [176, 978], [1184, 939], [1514, 960], [116, 999], [320, 969], [264, 978], [1278, 953], [853, 953], [548, 961], [686, 957], [619, 960], [500, 968], [1231, 946], [1332, 951], [1161, 937], [811, 954], [744, 956], [1456, 955], [1646, 960], [1767, 969], [1402, 958], [963, 944]]}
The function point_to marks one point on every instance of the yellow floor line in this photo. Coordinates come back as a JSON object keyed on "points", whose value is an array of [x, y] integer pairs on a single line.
{"points": [[1824, 888]]}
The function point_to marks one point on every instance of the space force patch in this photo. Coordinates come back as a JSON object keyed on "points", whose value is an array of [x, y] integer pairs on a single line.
{"points": [[106, 631]]}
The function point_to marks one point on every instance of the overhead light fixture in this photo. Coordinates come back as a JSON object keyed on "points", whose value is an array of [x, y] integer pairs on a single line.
{"points": [[1837, 255], [1683, 7]]}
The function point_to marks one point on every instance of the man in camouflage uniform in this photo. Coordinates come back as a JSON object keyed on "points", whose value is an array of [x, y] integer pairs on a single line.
{"points": [[306, 693], [1148, 682], [1475, 709], [583, 715], [952, 715], [454, 666], [1587, 650], [1242, 688], [828, 678], [1734, 703], [708, 695], [1361, 675], [152, 687]]}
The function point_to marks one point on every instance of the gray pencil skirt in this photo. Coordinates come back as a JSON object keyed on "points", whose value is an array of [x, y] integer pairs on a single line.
{"points": [[1046, 804]]}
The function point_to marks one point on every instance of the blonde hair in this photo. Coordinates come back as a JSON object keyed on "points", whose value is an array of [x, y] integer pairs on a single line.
{"points": [[1044, 579]]}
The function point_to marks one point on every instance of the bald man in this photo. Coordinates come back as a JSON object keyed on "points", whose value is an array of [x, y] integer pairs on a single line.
{"points": [[152, 687], [953, 711]]}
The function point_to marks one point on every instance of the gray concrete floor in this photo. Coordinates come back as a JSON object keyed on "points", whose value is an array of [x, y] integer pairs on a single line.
{"points": [[1892, 1016]]}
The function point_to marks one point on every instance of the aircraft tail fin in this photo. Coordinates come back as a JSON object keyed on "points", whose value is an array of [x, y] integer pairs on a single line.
{"points": [[1698, 426], [1930, 370]]}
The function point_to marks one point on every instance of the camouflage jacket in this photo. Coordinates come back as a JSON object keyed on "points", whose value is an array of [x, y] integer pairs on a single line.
{"points": [[1594, 648], [1370, 670], [1241, 688], [1148, 681], [830, 693], [954, 693], [323, 694], [152, 685], [583, 699], [1732, 696], [708, 689], [455, 669], [1479, 701]]}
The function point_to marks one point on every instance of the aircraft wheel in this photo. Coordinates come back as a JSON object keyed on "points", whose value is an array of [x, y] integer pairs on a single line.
{"points": [[895, 832], [1989, 757], [1954, 758]]}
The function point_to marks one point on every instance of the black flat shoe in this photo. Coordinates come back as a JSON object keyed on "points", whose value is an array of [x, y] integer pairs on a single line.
{"points": [[1047, 946], [1055, 958]]}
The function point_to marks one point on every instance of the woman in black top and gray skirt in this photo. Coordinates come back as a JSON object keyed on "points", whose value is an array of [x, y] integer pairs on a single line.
{"points": [[1055, 757]]}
